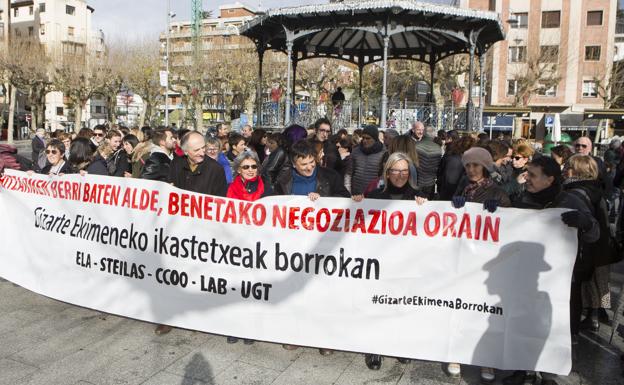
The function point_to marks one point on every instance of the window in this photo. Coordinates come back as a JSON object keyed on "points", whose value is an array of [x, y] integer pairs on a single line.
{"points": [[31, 10], [98, 109], [594, 18], [70, 10], [31, 31], [59, 111], [18, 33], [15, 12], [549, 53], [42, 29], [543, 91], [522, 20], [70, 31], [41, 7], [512, 87], [551, 19], [517, 54], [589, 89], [592, 53]]}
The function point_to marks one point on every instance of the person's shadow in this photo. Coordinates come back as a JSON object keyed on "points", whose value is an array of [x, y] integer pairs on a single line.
{"points": [[513, 275]]}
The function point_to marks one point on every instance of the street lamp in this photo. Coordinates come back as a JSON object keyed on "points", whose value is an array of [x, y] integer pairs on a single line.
{"points": [[170, 15]]}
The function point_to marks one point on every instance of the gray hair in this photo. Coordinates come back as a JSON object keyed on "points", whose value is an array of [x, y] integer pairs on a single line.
{"points": [[186, 137], [210, 141], [240, 158], [392, 160], [430, 132]]}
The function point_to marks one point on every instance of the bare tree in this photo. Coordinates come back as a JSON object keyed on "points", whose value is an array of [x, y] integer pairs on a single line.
{"points": [[142, 77]]}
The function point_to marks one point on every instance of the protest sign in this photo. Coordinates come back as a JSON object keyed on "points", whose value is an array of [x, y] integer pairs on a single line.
{"points": [[390, 277]]}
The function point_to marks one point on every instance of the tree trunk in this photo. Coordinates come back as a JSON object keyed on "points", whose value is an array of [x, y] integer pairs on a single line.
{"points": [[112, 109], [142, 116], [78, 117], [40, 111], [34, 111], [13, 100], [199, 116], [517, 130]]}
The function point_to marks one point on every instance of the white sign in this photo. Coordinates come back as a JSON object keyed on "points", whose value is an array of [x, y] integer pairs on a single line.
{"points": [[164, 78], [390, 277]]}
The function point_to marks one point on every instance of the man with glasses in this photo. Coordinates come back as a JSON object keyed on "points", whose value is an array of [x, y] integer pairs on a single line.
{"points": [[157, 166], [583, 146], [195, 171], [322, 131]]}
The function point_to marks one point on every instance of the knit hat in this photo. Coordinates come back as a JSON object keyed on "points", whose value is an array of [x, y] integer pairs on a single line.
{"points": [[372, 131], [480, 156]]}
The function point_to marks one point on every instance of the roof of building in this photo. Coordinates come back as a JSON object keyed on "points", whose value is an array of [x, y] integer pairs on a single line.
{"points": [[238, 5], [354, 31]]}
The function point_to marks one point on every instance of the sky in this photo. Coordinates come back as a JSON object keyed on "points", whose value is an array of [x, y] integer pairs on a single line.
{"points": [[145, 19]]}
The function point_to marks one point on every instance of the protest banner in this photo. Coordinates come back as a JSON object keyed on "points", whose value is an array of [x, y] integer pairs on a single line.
{"points": [[389, 277]]}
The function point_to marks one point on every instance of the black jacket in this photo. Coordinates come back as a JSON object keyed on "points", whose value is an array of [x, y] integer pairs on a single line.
{"points": [[274, 164], [118, 163], [408, 193], [208, 178], [97, 166], [328, 183], [37, 144], [157, 167], [66, 169]]}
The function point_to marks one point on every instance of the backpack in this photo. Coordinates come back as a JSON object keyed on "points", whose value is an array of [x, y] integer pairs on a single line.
{"points": [[608, 248], [111, 162]]}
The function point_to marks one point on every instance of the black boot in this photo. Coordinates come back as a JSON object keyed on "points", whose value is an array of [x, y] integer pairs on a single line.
{"points": [[403, 360], [603, 317], [373, 361], [520, 377]]}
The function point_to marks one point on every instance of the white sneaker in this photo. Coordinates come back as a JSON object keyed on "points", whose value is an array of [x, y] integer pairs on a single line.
{"points": [[487, 375], [454, 370]]}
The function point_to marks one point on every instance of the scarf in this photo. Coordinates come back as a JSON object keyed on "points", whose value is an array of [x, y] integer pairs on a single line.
{"points": [[303, 185], [546, 196], [474, 188], [246, 190], [397, 192], [375, 148]]}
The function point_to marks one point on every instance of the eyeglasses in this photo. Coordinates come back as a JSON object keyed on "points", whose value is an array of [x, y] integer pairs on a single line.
{"points": [[395, 172], [518, 157], [249, 166], [579, 145], [212, 149], [54, 152], [98, 134]]}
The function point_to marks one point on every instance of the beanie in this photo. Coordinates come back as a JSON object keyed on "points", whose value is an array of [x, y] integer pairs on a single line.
{"points": [[371, 131], [480, 156]]}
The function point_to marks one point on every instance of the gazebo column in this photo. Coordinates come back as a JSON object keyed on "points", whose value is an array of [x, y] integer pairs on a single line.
{"points": [[360, 104], [481, 88], [294, 82], [469, 103], [432, 65], [384, 94], [289, 48], [261, 50]]}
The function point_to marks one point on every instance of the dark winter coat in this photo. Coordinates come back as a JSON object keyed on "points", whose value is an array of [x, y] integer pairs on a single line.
{"points": [[429, 158], [328, 183], [118, 163], [493, 191], [449, 175], [65, 169], [208, 178], [274, 164], [157, 166], [406, 193], [366, 166]]}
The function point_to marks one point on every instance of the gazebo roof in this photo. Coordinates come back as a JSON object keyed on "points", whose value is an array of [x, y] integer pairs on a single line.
{"points": [[355, 30]]}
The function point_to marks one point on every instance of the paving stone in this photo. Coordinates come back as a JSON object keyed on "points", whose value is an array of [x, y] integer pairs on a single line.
{"points": [[165, 378], [357, 373], [13, 371], [241, 373], [209, 360], [313, 369], [59, 346], [129, 336], [139, 365], [271, 356]]}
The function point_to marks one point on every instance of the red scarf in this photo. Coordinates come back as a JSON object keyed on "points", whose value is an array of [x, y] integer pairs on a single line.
{"points": [[242, 190]]}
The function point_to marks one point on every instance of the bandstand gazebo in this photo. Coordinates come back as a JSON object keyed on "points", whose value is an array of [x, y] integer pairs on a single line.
{"points": [[363, 32]]}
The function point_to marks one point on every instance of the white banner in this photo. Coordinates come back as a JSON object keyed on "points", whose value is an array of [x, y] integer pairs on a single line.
{"points": [[390, 277]]}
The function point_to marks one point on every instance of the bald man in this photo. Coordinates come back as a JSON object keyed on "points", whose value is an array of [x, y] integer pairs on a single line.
{"points": [[195, 171]]}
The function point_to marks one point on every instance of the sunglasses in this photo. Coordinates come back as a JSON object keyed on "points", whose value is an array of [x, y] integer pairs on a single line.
{"points": [[98, 134], [518, 157], [54, 152], [249, 166], [578, 145]]}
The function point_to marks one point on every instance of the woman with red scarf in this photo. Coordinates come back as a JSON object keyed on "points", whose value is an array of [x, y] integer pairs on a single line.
{"points": [[248, 185]]}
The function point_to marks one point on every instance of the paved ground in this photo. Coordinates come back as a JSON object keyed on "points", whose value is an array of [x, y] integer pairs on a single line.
{"points": [[43, 341]]}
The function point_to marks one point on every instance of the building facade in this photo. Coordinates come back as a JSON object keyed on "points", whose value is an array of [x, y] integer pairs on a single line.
{"points": [[64, 27], [571, 42]]}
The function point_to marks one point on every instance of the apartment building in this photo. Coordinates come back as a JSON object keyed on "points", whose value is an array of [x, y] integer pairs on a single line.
{"points": [[65, 28], [218, 32], [577, 37]]}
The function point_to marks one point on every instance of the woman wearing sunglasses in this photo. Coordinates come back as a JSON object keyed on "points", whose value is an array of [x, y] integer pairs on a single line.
{"points": [[57, 164], [522, 155], [248, 185]]}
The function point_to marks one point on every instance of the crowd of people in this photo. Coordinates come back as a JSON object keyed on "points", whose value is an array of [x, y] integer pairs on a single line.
{"points": [[418, 166]]}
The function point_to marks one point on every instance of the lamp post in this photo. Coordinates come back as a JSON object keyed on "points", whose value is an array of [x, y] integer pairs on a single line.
{"points": [[170, 15]]}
